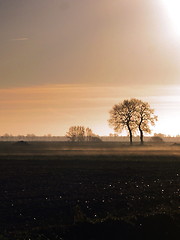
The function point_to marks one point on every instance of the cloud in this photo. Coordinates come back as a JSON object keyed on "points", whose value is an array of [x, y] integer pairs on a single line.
{"points": [[20, 39]]}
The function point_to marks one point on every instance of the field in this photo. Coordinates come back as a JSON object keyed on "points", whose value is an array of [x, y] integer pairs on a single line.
{"points": [[89, 191]]}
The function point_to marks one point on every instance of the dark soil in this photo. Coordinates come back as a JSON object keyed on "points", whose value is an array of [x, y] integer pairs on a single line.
{"points": [[89, 197]]}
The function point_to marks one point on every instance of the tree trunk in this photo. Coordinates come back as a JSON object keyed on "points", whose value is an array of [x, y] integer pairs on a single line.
{"points": [[141, 136], [131, 142], [130, 135]]}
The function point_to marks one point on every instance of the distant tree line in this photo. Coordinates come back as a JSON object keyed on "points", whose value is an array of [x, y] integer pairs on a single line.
{"points": [[134, 116]]}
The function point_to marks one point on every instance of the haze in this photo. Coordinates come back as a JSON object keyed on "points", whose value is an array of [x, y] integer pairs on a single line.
{"points": [[66, 62]]}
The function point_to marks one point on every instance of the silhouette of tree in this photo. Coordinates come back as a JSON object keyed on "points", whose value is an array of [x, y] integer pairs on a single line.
{"points": [[91, 137], [122, 117], [80, 134], [89, 134], [132, 115], [76, 134], [144, 116]]}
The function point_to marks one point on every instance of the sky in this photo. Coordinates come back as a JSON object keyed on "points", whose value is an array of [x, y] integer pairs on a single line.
{"points": [[67, 62]]}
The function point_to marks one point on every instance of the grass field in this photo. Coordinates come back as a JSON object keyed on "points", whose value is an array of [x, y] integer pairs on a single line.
{"points": [[89, 191]]}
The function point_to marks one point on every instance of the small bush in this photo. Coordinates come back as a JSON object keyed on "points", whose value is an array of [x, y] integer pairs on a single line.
{"points": [[157, 139]]}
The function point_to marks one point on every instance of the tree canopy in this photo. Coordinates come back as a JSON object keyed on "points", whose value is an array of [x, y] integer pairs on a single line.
{"points": [[80, 134], [132, 115], [144, 117]]}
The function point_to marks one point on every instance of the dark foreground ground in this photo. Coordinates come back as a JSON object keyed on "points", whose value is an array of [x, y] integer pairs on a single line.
{"points": [[60, 192]]}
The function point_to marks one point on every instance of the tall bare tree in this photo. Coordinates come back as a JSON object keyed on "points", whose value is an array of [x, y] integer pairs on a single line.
{"points": [[132, 115], [122, 117]]}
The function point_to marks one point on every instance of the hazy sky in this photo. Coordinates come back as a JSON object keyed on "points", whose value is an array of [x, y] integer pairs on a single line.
{"points": [[66, 62]]}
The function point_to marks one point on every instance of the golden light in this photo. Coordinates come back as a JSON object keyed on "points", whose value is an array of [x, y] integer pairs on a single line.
{"points": [[173, 10]]}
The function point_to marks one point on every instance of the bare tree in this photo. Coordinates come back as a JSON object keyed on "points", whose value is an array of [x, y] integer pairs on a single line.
{"points": [[132, 115], [92, 137], [89, 134], [144, 117], [81, 134], [122, 117], [76, 134]]}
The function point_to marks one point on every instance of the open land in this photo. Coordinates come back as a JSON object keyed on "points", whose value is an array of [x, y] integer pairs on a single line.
{"points": [[58, 190]]}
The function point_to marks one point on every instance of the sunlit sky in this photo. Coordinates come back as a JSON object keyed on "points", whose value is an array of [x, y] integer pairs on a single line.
{"points": [[67, 62]]}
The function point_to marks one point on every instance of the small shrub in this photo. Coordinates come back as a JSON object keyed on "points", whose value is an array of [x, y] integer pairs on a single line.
{"points": [[157, 139]]}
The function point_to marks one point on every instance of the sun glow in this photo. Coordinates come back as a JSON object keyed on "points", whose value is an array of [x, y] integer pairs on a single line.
{"points": [[29, 110], [173, 10]]}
